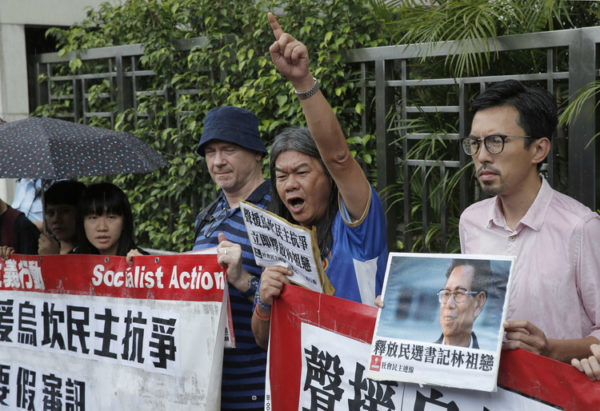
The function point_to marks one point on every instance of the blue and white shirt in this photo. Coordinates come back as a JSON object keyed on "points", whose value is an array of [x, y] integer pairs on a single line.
{"points": [[357, 261], [243, 384], [28, 198]]}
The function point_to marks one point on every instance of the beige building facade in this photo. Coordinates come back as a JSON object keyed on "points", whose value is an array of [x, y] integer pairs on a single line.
{"points": [[16, 18]]}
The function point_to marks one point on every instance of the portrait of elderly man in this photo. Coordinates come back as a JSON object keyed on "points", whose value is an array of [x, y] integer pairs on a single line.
{"points": [[462, 300]]}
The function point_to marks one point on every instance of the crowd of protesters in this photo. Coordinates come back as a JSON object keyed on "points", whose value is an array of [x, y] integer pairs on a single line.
{"points": [[554, 303]]}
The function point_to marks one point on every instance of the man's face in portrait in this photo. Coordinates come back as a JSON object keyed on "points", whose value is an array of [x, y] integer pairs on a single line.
{"points": [[460, 306]]}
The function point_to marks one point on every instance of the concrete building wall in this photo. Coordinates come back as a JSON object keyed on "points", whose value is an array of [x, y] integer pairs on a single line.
{"points": [[15, 16], [46, 12], [14, 103]]}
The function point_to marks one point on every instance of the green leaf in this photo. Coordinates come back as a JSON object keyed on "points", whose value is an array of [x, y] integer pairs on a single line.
{"points": [[281, 100]]}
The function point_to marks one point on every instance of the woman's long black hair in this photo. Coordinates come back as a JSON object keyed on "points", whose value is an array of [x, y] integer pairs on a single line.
{"points": [[98, 199], [300, 140]]}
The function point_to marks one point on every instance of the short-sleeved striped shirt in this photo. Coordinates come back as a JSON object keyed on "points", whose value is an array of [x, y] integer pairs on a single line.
{"points": [[243, 384]]}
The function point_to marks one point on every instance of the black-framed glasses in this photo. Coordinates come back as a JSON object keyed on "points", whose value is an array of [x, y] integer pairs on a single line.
{"points": [[460, 295], [215, 221], [494, 143]]}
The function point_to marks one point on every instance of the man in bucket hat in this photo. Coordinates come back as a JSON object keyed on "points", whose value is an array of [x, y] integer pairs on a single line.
{"points": [[233, 150]]}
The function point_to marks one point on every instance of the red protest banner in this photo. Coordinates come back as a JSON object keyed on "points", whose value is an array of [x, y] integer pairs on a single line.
{"points": [[91, 332], [185, 277], [297, 305], [320, 374], [551, 381]]}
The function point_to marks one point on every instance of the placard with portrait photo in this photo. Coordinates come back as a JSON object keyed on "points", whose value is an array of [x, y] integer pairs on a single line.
{"points": [[442, 320]]}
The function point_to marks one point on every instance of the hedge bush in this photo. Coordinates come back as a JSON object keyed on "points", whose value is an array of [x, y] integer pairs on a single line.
{"points": [[236, 70]]}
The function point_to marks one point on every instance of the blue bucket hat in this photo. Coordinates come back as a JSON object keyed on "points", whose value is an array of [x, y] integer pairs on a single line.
{"points": [[233, 125]]}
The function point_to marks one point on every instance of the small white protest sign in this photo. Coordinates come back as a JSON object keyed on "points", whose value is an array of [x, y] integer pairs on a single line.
{"points": [[275, 241]]}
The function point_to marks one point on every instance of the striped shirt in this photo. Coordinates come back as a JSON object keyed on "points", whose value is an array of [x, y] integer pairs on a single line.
{"points": [[243, 384]]}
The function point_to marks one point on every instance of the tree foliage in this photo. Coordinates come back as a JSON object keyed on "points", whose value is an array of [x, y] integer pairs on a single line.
{"points": [[469, 23], [234, 68]]}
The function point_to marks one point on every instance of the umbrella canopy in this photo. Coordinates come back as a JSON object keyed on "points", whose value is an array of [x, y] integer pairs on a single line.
{"points": [[43, 147]]}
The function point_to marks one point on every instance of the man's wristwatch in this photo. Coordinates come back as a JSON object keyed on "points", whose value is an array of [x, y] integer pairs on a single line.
{"points": [[303, 95], [252, 287]]}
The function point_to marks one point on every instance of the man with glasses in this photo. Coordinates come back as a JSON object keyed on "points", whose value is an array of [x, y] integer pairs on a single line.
{"points": [[554, 303], [233, 150], [462, 300]]}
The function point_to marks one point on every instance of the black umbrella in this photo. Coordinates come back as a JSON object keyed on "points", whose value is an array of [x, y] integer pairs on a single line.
{"points": [[43, 147]]}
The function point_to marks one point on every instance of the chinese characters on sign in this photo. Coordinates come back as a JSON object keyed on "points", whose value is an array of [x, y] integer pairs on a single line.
{"points": [[26, 389], [134, 337], [276, 241], [21, 274], [450, 357], [334, 378]]}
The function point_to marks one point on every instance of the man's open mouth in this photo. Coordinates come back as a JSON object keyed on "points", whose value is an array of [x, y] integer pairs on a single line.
{"points": [[295, 203]]}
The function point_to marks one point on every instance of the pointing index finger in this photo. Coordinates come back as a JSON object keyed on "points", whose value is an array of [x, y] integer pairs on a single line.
{"points": [[277, 30]]}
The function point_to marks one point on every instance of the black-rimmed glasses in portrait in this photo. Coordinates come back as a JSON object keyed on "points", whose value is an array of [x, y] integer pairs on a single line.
{"points": [[460, 295]]}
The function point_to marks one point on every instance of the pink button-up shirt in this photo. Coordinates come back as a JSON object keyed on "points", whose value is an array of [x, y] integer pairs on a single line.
{"points": [[556, 275]]}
